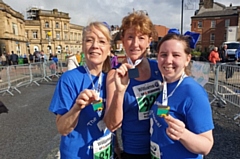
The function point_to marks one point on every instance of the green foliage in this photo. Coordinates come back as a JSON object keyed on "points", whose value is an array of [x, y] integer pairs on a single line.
{"points": [[196, 53]]}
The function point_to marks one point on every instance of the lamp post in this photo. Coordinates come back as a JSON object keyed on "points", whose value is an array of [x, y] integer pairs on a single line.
{"points": [[49, 41], [182, 17]]}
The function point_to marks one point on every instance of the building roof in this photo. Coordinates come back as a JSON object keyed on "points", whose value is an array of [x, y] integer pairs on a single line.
{"points": [[216, 11]]}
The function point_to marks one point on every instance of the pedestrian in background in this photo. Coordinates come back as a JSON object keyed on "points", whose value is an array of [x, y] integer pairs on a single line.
{"points": [[237, 55], [185, 131], [71, 61], [223, 54], [14, 58], [214, 58], [133, 87], [79, 100], [114, 59], [9, 58], [3, 60]]}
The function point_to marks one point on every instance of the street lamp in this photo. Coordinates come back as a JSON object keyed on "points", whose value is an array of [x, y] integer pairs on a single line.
{"points": [[49, 34], [182, 17]]}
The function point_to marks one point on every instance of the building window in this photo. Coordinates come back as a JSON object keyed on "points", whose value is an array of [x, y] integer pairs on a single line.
{"points": [[71, 36], [65, 26], [57, 25], [227, 22], [26, 34], [213, 24], [200, 24], [212, 37], [65, 36], [58, 35], [15, 29], [75, 36], [46, 24], [34, 33]]}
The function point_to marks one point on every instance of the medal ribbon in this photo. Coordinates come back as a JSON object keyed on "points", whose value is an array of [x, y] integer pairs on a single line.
{"points": [[137, 62], [165, 96], [99, 85]]}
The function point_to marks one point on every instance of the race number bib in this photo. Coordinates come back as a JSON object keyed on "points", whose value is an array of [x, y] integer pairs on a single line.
{"points": [[155, 151], [146, 95], [102, 148]]}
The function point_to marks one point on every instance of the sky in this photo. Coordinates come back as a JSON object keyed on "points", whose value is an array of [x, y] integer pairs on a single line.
{"points": [[81, 12]]}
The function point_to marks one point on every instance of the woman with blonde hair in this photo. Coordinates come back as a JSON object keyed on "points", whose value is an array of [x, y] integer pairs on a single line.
{"points": [[79, 100]]}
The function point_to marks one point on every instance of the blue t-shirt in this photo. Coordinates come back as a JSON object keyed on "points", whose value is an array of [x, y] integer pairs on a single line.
{"points": [[138, 99], [190, 104], [79, 143]]}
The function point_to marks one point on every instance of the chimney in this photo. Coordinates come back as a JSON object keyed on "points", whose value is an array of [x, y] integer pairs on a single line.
{"points": [[208, 4], [201, 3]]}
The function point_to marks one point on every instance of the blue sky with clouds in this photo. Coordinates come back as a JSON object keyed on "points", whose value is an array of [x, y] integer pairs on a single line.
{"points": [[162, 12]]}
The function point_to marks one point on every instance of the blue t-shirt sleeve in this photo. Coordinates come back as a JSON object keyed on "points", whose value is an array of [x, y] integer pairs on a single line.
{"points": [[198, 110], [64, 96]]}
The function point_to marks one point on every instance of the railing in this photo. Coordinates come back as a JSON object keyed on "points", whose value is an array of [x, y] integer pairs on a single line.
{"points": [[16, 76], [224, 84]]}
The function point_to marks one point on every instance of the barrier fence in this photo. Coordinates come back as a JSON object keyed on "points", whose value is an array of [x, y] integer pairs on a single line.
{"points": [[223, 82], [16, 76]]}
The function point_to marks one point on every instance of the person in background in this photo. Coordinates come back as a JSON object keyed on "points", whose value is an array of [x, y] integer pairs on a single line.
{"points": [[79, 100], [214, 58], [223, 54], [14, 58], [9, 58], [37, 56], [50, 56], [71, 61], [114, 59], [185, 130], [237, 55], [3, 60], [132, 88], [30, 57], [78, 57]]}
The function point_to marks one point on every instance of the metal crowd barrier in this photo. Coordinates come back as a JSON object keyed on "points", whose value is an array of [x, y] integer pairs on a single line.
{"points": [[224, 84], [16, 76]]}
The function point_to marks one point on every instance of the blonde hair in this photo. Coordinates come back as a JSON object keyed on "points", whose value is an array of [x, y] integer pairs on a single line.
{"points": [[106, 32]]}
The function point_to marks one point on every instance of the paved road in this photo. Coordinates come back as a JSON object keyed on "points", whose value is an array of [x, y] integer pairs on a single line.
{"points": [[28, 131]]}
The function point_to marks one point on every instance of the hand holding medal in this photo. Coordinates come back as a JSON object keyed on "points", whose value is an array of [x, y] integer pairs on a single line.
{"points": [[85, 98]]}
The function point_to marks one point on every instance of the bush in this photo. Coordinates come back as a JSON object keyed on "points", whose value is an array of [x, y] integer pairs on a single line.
{"points": [[196, 53]]}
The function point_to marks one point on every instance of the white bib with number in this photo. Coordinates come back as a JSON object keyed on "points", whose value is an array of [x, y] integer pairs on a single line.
{"points": [[146, 95], [102, 147]]}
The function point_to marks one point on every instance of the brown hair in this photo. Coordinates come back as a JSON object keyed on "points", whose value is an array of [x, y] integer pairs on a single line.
{"points": [[181, 38], [140, 21], [107, 33]]}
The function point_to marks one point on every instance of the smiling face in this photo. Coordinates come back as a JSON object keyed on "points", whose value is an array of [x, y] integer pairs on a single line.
{"points": [[96, 46], [135, 43], [172, 59]]}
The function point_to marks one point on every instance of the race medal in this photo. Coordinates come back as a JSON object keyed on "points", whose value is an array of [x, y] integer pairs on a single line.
{"points": [[97, 105], [102, 148], [163, 111], [133, 73]]}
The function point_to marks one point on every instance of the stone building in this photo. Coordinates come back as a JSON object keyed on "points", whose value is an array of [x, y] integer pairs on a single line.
{"points": [[47, 30], [12, 30], [212, 20]]}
